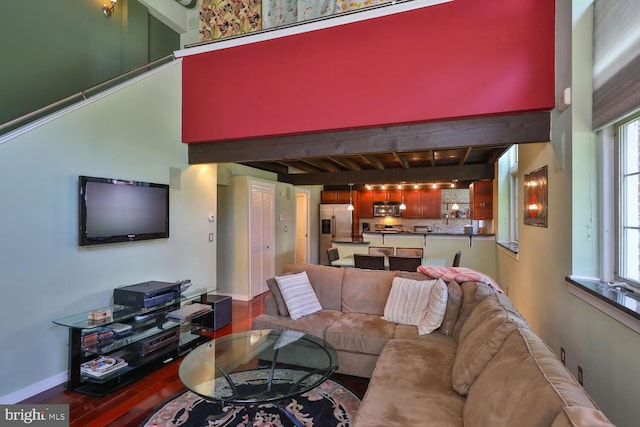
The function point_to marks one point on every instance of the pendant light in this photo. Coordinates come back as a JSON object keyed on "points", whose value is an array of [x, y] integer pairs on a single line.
{"points": [[350, 207], [402, 205]]}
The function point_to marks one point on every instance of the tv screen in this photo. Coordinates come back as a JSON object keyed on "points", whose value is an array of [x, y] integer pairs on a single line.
{"points": [[116, 210]]}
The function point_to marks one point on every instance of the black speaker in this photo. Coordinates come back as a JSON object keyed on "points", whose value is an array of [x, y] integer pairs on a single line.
{"points": [[221, 315]]}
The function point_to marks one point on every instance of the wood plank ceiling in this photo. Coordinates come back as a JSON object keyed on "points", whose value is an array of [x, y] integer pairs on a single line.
{"points": [[453, 150]]}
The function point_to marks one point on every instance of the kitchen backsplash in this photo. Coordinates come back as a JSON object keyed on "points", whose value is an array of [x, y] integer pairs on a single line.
{"points": [[442, 225]]}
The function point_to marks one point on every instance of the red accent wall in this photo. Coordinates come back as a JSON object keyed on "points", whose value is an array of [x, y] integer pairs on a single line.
{"points": [[464, 58]]}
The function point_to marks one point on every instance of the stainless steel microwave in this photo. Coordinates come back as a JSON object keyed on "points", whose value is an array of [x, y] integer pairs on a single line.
{"points": [[386, 209]]}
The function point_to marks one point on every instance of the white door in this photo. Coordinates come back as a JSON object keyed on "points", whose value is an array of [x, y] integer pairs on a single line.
{"points": [[262, 235], [302, 227]]}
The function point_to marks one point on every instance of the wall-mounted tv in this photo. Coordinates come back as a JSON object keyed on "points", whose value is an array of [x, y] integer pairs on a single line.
{"points": [[116, 210]]}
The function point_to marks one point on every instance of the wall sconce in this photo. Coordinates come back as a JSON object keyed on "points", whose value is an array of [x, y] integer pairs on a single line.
{"points": [[108, 11]]}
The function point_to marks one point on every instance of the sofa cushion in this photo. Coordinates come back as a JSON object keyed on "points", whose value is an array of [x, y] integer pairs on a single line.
{"points": [[298, 294], [366, 291], [481, 338], [579, 416], [435, 309], [523, 385], [325, 280], [406, 390], [360, 333], [454, 301], [407, 332], [314, 324], [472, 294], [408, 301], [277, 297]]}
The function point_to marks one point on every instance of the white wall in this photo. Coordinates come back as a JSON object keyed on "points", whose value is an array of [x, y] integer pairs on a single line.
{"points": [[132, 132]]}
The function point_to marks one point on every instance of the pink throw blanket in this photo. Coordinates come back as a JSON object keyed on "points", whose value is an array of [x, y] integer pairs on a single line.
{"points": [[459, 274]]}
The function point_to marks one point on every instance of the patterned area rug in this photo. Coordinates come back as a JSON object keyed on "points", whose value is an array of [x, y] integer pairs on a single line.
{"points": [[330, 404]]}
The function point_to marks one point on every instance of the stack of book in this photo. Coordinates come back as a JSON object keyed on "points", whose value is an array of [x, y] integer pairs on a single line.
{"points": [[103, 365], [91, 337]]}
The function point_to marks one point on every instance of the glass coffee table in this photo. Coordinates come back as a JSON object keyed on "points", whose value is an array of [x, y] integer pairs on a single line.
{"points": [[258, 367]]}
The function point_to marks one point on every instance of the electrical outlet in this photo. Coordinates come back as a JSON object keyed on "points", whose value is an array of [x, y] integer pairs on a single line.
{"points": [[562, 356], [580, 375]]}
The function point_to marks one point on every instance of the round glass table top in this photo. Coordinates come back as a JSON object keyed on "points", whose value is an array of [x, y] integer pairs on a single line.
{"points": [[258, 366]]}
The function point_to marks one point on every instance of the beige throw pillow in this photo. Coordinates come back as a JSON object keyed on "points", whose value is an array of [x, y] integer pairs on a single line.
{"points": [[298, 295], [410, 303], [436, 308]]}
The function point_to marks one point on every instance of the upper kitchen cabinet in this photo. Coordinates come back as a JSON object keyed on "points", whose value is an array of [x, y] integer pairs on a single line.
{"points": [[422, 204], [365, 204], [481, 199], [334, 196], [387, 196]]}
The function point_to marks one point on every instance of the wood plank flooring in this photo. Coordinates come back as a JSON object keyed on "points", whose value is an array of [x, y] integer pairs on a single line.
{"points": [[131, 405]]}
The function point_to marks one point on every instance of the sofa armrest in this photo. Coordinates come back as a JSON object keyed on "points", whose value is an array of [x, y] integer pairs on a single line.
{"points": [[270, 306]]}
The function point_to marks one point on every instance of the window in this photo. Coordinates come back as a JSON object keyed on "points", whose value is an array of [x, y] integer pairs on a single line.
{"points": [[514, 205], [627, 217], [508, 200]]}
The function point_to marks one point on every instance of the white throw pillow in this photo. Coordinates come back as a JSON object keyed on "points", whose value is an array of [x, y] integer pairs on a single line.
{"points": [[298, 295], [436, 308], [408, 301]]}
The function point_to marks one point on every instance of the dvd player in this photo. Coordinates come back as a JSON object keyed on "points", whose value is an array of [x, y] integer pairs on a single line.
{"points": [[147, 294]]}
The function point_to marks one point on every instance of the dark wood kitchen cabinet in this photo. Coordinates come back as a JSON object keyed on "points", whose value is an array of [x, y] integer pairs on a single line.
{"points": [[387, 196], [481, 199], [422, 204], [364, 207], [334, 196]]}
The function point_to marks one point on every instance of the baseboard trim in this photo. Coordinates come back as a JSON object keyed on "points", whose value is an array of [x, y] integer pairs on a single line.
{"points": [[237, 297], [33, 389]]}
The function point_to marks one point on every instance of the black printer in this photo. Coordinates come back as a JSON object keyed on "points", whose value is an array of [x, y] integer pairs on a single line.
{"points": [[147, 294]]}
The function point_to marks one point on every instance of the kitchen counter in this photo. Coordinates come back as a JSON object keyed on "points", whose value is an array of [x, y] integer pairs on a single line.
{"points": [[413, 233]]}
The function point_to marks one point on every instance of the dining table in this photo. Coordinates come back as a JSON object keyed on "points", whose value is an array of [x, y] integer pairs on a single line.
{"points": [[348, 261]]}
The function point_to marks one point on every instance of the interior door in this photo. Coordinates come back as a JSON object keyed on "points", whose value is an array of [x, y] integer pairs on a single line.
{"points": [[262, 235], [302, 227]]}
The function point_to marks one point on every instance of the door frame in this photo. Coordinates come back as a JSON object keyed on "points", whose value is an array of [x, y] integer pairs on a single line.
{"points": [[307, 194]]}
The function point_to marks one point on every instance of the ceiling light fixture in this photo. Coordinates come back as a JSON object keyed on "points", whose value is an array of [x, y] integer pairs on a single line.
{"points": [[108, 11]]}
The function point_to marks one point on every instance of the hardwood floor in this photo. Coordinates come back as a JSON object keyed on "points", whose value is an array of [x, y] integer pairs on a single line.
{"points": [[131, 405]]}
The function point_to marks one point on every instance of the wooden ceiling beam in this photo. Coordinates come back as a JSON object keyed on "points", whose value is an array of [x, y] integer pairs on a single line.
{"points": [[402, 160], [440, 173], [346, 163], [464, 158], [373, 161], [469, 132], [321, 164]]}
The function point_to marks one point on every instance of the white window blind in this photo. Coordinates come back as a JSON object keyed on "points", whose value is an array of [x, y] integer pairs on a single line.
{"points": [[616, 60]]}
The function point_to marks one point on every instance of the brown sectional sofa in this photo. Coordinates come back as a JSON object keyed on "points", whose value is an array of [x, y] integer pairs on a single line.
{"points": [[482, 367]]}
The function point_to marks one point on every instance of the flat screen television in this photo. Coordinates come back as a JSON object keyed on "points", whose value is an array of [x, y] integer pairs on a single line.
{"points": [[116, 210]]}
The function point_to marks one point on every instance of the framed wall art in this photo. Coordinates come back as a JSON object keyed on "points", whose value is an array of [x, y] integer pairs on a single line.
{"points": [[535, 198]]}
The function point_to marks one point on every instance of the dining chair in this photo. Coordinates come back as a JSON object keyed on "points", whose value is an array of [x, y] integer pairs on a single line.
{"points": [[333, 254], [371, 262], [404, 263], [380, 250], [410, 252], [456, 259]]}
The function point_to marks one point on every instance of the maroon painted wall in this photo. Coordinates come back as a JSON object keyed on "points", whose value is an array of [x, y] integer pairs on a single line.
{"points": [[459, 59]]}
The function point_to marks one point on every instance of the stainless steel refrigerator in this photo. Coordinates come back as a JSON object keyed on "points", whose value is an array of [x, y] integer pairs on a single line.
{"points": [[335, 224]]}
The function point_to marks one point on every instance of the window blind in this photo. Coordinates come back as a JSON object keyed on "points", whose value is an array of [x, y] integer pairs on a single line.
{"points": [[616, 60]]}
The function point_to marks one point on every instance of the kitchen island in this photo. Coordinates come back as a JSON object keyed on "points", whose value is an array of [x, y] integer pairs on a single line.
{"points": [[478, 250]]}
